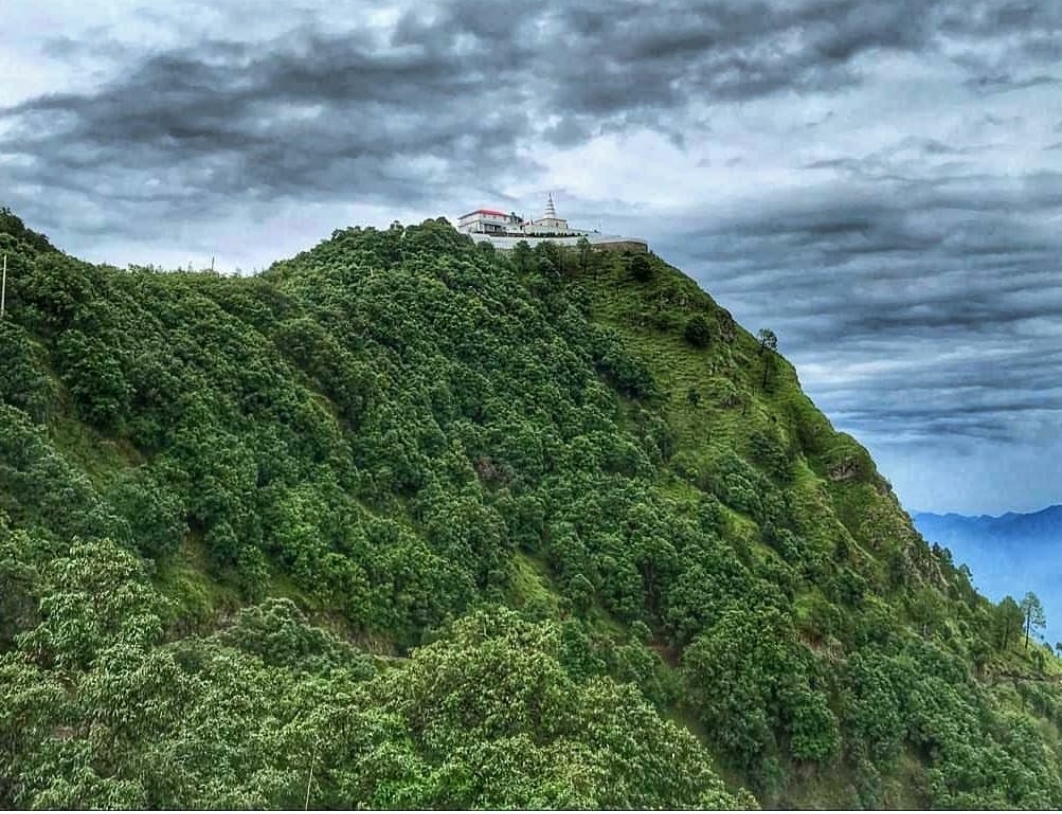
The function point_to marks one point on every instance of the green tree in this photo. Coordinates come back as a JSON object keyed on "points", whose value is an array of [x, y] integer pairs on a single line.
{"points": [[768, 340], [698, 332], [1008, 618], [768, 348], [641, 269], [501, 724], [1034, 615]]}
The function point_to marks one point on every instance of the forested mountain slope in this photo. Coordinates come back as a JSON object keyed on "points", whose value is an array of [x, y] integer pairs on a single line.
{"points": [[406, 522]]}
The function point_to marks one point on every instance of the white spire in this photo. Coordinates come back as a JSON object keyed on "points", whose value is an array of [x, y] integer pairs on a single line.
{"points": [[550, 211]]}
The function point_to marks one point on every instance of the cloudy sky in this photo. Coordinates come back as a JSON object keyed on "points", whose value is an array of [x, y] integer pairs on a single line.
{"points": [[878, 182]]}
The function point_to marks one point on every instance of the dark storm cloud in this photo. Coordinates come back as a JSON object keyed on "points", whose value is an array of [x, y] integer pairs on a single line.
{"points": [[1002, 399], [450, 93], [318, 116]]}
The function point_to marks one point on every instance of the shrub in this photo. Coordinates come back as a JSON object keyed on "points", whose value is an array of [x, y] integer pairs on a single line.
{"points": [[641, 269], [698, 333]]}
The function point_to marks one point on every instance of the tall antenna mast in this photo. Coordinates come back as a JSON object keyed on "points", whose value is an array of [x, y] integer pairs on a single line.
{"points": [[3, 290]]}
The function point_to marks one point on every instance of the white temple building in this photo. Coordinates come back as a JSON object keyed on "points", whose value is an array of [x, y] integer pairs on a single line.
{"points": [[550, 224], [505, 231]]}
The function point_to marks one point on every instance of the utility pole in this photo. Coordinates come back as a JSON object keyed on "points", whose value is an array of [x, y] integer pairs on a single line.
{"points": [[3, 290]]}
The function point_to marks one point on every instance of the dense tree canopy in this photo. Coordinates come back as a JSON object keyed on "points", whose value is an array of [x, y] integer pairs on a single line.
{"points": [[408, 522]]}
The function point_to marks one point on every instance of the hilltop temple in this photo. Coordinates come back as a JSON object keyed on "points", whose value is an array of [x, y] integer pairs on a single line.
{"points": [[505, 231]]}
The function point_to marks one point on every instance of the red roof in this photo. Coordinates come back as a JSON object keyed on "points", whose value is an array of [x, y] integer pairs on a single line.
{"points": [[491, 212]]}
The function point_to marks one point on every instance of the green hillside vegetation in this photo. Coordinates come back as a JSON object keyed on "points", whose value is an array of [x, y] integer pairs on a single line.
{"points": [[406, 522]]}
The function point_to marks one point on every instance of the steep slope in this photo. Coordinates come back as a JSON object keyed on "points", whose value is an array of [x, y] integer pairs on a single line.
{"points": [[406, 522]]}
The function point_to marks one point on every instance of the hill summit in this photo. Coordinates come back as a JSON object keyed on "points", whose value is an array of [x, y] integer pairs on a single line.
{"points": [[404, 521]]}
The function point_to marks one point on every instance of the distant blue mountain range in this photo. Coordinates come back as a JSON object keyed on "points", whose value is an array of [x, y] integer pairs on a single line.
{"points": [[1010, 554]]}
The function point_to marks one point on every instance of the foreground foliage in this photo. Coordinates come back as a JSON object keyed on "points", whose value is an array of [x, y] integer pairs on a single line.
{"points": [[99, 710]]}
